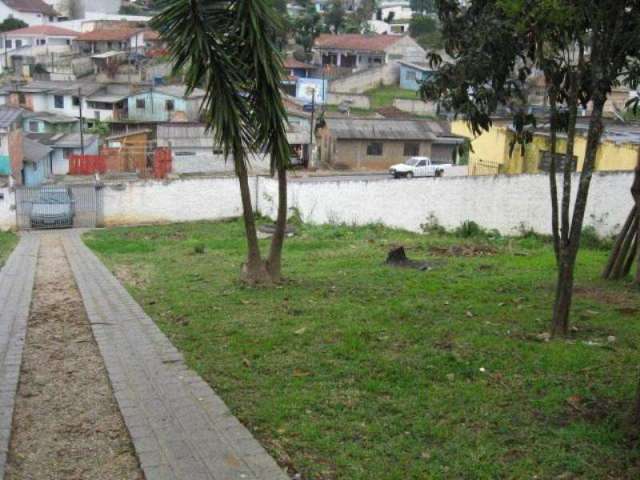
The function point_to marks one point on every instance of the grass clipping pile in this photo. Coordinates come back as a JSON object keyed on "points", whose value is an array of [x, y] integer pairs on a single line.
{"points": [[66, 423]]}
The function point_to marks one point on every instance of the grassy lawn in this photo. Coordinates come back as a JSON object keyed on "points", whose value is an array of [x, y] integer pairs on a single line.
{"points": [[8, 240], [384, 96], [357, 370]]}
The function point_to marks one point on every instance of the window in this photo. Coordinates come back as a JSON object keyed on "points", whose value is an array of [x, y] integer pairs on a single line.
{"points": [[18, 43], [58, 101], [185, 154], [422, 163], [140, 104], [374, 148], [33, 126], [411, 75], [22, 100], [66, 152], [75, 101], [411, 149], [169, 105], [9, 43]]}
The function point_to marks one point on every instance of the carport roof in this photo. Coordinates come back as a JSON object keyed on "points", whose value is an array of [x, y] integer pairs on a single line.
{"points": [[386, 129]]}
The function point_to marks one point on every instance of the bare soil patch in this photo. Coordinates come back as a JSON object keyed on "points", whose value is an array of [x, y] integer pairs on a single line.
{"points": [[66, 424], [626, 301]]}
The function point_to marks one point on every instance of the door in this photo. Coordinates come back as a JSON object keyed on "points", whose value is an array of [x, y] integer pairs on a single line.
{"points": [[421, 168]]}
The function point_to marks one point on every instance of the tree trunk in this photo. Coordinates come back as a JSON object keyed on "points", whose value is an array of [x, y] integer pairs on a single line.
{"points": [[277, 241], [616, 251], [553, 181], [254, 270], [564, 296], [569, 251], [635, 192]]}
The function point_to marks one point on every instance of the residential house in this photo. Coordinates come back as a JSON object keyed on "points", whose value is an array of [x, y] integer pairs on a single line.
{"points": [[194, 149], [32, 12], [126, 39], [166, 103], [491, 151], [47, 122], [34, 44], [357, 52], [396, 14], [295, 70], [11, 154], [100, 102], [37, 165], [378, 143], [413, 74], [47, 154]]}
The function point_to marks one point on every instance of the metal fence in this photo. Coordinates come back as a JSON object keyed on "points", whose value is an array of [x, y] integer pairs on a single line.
{"points": [[59, 206]]}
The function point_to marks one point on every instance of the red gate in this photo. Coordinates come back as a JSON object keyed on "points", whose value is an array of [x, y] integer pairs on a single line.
{"points": [[161, 162], [86, 164]]}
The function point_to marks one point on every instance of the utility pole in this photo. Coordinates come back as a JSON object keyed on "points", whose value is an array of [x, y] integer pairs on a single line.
{"points": [[81, 122], [6, 53], [313, 111]]}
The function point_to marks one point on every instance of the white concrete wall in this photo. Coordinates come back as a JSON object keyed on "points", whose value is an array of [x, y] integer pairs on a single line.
{"points": [[7, 215], [172, 201], [355, 100], [504, 203], [364, 80], [416, 106]]}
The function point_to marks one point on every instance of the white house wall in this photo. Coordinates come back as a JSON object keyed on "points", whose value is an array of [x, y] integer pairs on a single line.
{"points": [[7, 213]]}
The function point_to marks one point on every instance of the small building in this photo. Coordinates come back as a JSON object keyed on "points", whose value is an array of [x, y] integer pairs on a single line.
{"points": [[60, 146], [296, 68], [37, 163], [357, 52], [124, 39], [491, 155], [378, 143], [130, 151], [166, 103], [47, 122], [11, 154], [31, 45], [32, 12], [413, 74]]}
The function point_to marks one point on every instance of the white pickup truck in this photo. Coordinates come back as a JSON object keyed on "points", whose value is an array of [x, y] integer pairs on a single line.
{"points": [[418, 167]]}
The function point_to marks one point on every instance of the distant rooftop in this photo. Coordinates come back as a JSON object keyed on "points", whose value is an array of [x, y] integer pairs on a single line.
{"points": [[31, 6], [8, 115], [387, 129], [353, 41], [108, 35], [46, 30]]}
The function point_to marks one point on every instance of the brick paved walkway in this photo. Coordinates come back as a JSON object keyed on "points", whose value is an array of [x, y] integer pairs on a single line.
{"points": [[16, 285], [180, 428]]}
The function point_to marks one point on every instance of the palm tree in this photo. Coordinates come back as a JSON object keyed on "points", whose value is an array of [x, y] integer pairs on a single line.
{"points": [[227, 47]]}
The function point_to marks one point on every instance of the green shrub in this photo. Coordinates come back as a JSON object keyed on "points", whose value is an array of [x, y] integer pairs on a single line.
{"points": [[469, 229], [199, 248]]}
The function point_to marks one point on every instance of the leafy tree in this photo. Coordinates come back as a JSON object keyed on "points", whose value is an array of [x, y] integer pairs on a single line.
{"points": [[335, 17], [307, 28], [10, 23], [227, 48], [130, 10], [422, 25], [423, 6], [583, 48]]}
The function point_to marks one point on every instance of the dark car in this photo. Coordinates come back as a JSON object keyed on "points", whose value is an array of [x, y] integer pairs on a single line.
{"points": [[54, 208]]}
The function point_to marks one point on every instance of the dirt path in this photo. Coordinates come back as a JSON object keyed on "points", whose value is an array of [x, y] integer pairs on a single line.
{"points": [[66, 425]]}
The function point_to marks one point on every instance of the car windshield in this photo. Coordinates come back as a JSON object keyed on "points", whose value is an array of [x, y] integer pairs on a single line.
{"points": [[412, 161], [60, 197]]}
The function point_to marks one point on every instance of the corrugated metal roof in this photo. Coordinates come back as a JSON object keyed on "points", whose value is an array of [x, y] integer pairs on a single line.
{"points": [[9, 115], [34, 151], [385, 129], [354, 41]]}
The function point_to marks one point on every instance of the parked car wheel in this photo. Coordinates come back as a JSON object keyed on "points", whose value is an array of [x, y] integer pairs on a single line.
{"points": [[409, 175], [439, 173]]}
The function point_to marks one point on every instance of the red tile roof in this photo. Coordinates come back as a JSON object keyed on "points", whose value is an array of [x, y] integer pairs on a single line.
{"points": [[31, 6], [108, 35], [151, 35], [291, 62], [354, 41], [46, 30]]}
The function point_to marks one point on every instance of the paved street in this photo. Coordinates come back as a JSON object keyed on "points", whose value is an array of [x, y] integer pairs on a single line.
{"points": [[179, 427]]}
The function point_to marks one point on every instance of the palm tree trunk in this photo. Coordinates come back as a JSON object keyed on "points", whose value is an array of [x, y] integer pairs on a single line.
{"points": [[254, 270], [277, 241]]}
